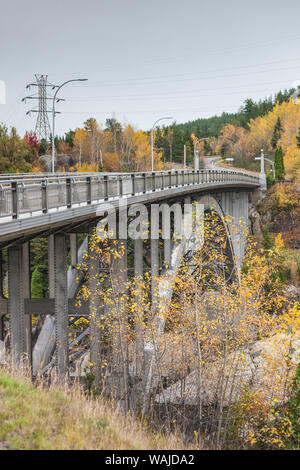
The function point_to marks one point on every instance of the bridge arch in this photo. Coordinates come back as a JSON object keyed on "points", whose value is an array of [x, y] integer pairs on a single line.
{"points": [[209, 202]]}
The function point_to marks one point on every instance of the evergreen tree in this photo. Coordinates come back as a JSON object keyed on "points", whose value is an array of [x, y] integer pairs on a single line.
{"points": [[279, 164], [39, 259], [223, 150], [276, 133], [250, 109], [37, 284], [69, 136], [294, 408], [207, 148]]}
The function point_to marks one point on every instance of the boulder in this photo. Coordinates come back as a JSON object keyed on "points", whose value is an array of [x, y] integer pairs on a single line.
{"points": [[265, 367], [256, 225]]}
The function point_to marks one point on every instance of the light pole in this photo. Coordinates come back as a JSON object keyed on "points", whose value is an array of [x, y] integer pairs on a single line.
{"points": [[152, 144], [262, 175], [53, 117], [196, 159]]}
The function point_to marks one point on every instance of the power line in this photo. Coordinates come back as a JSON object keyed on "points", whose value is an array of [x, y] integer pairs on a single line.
{"points": [[157, 79], [244, 47], [176, 93]]}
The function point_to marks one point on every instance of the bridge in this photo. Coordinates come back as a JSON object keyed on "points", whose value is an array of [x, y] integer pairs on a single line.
{"points": [[65, 204]]}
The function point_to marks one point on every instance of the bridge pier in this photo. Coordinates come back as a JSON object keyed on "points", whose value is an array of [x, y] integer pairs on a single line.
{"points": [[16, 303], [235, 207], [27, 294], [61, 304], [73, 250], [95, 309], [119, 278], [139, 274]]}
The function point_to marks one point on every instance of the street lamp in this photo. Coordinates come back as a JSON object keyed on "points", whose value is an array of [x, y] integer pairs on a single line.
{"points": [[53, 116], [152, 144], [196, 159]]}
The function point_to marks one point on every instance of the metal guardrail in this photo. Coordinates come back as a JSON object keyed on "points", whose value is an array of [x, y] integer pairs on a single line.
{"points": [[21, 194]]}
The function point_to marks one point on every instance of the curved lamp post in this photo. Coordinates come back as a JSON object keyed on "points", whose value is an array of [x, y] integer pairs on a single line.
{"points": [[152, 144], [53, 116]]}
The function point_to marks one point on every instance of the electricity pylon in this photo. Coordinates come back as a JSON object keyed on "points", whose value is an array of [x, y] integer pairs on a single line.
{"points": [[42, 127]]}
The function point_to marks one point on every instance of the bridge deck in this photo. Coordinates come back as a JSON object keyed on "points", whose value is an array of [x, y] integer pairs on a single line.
{"points": [[29, 203]]}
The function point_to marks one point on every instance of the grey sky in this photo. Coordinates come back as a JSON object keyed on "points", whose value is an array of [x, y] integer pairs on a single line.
{"points": [[149, 58]]}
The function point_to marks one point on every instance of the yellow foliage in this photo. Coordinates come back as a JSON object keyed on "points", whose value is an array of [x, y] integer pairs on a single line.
{"points": [[278, 242], [249, 143], [111, 161], [86, 168]]}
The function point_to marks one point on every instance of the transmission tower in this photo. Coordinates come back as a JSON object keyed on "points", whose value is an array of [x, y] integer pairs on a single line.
{"points": [[42, 127]]}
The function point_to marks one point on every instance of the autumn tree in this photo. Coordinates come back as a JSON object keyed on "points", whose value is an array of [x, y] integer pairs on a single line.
{"points": [[15, 153], [91, 126], [115, 128], [80, 143]]}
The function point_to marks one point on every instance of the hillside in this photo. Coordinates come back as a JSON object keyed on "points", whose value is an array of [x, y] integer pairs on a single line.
{"points": [[35, 418]]}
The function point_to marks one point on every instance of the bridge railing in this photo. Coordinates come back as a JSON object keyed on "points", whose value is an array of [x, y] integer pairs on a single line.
{"points": [[21, 196]]}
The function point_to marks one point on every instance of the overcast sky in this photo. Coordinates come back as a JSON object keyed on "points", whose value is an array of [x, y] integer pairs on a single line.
{"points": [[148, 58]]}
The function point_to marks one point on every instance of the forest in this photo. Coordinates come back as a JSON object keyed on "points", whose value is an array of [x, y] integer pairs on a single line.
{"points": [[269, 123]]}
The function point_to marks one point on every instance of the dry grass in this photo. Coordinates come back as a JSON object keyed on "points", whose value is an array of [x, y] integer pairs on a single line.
{"points": [[58, 417]]}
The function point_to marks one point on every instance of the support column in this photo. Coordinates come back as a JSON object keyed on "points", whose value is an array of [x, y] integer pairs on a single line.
{"points": [[16, 303], [61, 304], [2, 296], [73, 249], [167, 252], [166, 226], [139, 339], [154, 245], [138, 257], [235, 206], [154, 271], [51, 265], [95, 310], [27, 295], [120, 372]]}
